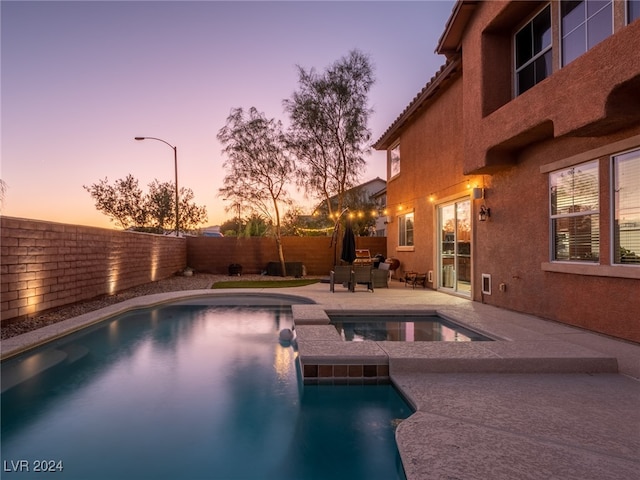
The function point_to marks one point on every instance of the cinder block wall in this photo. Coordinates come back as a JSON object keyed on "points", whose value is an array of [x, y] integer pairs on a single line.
{"points": [[45, 265], [214, 255]]}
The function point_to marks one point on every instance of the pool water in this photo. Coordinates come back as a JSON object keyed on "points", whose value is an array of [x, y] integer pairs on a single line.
{"points": [[402, 328], [190, 392]]}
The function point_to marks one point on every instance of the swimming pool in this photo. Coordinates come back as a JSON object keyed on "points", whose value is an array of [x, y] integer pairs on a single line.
{"points": [[402, 328], [190, 392]]}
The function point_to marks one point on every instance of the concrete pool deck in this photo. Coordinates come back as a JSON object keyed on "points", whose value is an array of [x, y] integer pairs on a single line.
{"points": [[544, 401]]}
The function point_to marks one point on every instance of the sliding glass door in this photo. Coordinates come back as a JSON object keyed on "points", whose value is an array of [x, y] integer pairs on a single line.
{"points": [[454, 246]]}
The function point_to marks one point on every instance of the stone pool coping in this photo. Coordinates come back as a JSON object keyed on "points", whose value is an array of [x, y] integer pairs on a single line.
{"points": [[515, 350], [324, 355]]}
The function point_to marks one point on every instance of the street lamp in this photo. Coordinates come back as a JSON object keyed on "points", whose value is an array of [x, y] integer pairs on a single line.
{"points": [[175, 161]]}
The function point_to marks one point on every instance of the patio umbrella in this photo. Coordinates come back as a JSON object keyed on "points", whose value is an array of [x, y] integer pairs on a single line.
{"points": [[348, 245]]}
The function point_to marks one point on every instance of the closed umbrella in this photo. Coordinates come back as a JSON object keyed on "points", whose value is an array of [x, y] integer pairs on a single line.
{"points": [[348, 245]]}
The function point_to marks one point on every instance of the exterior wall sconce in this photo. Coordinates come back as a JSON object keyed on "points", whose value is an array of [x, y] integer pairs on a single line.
{"points": [[484, 213]]}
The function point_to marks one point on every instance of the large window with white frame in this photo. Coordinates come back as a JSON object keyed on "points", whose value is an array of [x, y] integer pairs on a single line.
{"points": [[533, 51], [633, 10], [626, 208], [584, 24], [405, 230], [575, 213]]}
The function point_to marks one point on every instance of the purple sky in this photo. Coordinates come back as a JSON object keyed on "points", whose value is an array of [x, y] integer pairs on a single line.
{"points": [[81, 79]]}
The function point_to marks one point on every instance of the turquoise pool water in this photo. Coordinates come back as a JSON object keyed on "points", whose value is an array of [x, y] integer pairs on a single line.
{"points": [[402, 328], [190, 392]]}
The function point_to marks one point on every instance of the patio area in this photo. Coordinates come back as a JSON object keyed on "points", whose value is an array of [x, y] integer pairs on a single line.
{"points": [[543, 401]]}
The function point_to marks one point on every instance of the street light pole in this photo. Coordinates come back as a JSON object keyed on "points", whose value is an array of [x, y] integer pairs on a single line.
{"points": [[175, 162]]}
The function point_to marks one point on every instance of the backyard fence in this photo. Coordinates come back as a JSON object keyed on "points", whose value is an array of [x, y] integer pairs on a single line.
{"points": [[215, 254], [45, 265]]}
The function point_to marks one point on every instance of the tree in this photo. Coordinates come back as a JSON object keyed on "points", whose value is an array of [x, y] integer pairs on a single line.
{"points": [[153, 212], [160, 205], [256, 226], [329, 132], [258, 166], [191, 215], [122, 201]]}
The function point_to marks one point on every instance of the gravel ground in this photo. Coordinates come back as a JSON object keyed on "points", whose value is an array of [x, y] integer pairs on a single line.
{"points": [[172, 284]]}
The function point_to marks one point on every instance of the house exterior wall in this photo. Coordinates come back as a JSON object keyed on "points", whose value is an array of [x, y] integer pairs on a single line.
{"points": [[582, 98], [585, 106], [586, 110], [514, 247], [431, 160]]}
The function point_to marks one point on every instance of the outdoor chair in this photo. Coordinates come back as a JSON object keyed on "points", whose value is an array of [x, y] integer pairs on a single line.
{"points": [[362, 275], [420, 279], [415, 278], [341, 274], [408, 277], [381, 275]]}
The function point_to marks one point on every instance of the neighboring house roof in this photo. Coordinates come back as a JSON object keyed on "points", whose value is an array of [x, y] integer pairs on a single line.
{"points": [[439, 81], [372, 187], [380, 193]]}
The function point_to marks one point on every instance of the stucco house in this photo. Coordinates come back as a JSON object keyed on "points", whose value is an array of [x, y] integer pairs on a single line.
{"points": [[514, 175]]}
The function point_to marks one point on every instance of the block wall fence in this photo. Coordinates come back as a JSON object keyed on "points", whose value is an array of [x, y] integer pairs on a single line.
{"points": [[214, 255], [44, 265]]}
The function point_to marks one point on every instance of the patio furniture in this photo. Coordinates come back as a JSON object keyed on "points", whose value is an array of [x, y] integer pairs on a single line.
{"points": [[415, 278], [362, 275], [409, 277], [420, 279], [363, 257], [341, 274], [394, 264], [381, 275]]}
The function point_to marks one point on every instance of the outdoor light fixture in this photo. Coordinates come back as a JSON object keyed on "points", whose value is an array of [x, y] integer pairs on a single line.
{"points": [[484, 213], [175, 161]]}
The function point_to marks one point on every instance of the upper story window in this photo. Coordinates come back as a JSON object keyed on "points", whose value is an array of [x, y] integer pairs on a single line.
{"points": [[575, 216], [405, 230], [584, 24], [633, 10], [394, 161], [533, 51], [626, 207]]}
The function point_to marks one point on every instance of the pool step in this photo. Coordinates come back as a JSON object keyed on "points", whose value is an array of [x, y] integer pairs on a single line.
{"points": [[14, 373], [325, 358]]}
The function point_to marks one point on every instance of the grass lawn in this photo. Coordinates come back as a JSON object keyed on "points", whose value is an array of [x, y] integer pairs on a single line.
{"points": [[265, 283]]}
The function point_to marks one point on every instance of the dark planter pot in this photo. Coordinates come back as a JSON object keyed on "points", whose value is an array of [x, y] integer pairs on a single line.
{"points": [[235, 269]]}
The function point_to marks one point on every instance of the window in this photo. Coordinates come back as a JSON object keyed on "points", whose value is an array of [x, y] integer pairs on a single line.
{"points": [[574, 212], [626, 206], [405, 230], [533, 51], [633, 10], [584, 25], [394, 161]]}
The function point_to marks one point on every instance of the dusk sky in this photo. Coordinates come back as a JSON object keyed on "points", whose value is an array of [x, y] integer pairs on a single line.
{"points": [[81, 79]]}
